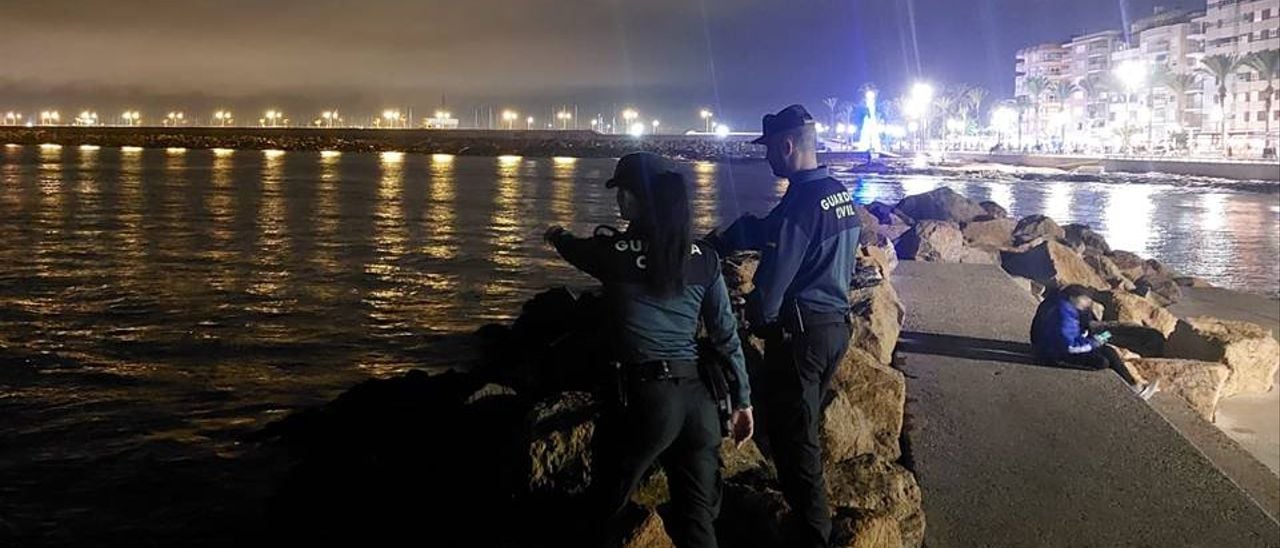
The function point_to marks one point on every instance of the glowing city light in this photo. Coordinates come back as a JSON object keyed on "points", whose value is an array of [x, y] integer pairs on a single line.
{"points": [[636, 129], [722, 131]]}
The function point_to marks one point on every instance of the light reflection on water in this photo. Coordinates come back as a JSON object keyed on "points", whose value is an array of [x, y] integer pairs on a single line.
{"points": [[187, 291]]}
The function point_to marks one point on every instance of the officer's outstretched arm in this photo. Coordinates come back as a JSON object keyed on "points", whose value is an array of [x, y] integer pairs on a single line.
{"points": [[583, 253], [722, 328]]}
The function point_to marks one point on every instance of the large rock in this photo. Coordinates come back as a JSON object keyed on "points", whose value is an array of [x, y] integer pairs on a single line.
{"points": [[1083, 237], [995, 233], [1107, 268], [1121, 306], [877, 320], [1160, 287], [1198, 383], [883, 258], [870, 225], [1036, 227], [560, 432], [1053, 265], [739, 269], [751, 515], [994, 210], [1247, 349], [866, 411], [941, 204], [642, 528], [1129, 263], [873, 486], [979, 255], [936, 241], [1145, 341], [856, 530]]}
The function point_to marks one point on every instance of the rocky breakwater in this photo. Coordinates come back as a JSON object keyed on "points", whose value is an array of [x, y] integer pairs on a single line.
{"points": [[466, 142], [1200, 359], [505, 454]]}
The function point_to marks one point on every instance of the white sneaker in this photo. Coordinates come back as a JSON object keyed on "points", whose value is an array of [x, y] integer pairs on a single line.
{"points": [[1149, 390]]}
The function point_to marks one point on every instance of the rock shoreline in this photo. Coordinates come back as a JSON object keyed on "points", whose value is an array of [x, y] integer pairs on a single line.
{"points": [[1199, 359], [514, 440]]}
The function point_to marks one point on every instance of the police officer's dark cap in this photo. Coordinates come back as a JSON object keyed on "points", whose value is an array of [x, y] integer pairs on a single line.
{"points": [[638, 167], [787, 119]]}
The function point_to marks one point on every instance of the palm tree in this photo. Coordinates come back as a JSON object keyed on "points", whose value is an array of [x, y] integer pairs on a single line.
{"points": [[974, 97], [1092, 87], [831, 103], [1060, 93], [1021, 104], [1267, 65], [1035, 88], [1179, 84], [1221, 67]]}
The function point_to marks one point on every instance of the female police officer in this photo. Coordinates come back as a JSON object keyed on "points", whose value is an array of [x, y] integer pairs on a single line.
{"points": [[658, 284]]}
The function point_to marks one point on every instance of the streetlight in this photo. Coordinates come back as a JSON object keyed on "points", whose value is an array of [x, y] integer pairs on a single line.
{"points": [[131, 117], [49, 117], [510, 116], [222, 117], [655, 126], [528, 123], [271, 118], [564, 116], [330, 117], [392, 117], [87, 118], [174, 118], [12, 118], [706, 118]]}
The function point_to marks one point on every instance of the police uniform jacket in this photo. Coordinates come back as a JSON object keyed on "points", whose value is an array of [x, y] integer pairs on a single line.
{"points": [[652, 328]]}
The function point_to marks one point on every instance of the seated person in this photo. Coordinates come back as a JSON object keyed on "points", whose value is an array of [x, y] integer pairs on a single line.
{"points": [[1060, 336]]}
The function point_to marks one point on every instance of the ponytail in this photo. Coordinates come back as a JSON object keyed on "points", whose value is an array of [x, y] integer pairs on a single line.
{"points": [[669, 228]]}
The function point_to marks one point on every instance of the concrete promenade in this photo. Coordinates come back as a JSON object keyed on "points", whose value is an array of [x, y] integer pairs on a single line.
{"points": [[1009, 453]]}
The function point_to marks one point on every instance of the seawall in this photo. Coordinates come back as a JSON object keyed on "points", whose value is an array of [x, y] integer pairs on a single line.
{"points": [[542, 143], [1225, 169]]}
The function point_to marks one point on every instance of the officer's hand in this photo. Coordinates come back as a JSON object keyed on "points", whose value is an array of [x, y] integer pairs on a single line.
{"points": [[744, 426], [553, 232]]}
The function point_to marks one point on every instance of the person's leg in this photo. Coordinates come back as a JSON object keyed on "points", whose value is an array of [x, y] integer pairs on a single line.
{"points": [[800, 372], [640, 433], [1117, 364], [692, 465], [1101, 358]]}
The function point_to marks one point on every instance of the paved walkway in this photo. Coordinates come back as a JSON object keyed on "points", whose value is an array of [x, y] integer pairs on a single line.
{"points": [[1013, 454]]}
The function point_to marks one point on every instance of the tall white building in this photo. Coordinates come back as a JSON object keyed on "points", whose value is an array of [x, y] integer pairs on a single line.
{"points": [[1123, 96], [1238, 28]]}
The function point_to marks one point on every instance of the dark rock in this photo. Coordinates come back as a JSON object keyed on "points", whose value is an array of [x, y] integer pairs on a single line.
{"points": [[1081, 236], [1130, 264], [994, 210], [1159, 288], [936, 241], [1036, 227], [940, 204], [1147, 342]]}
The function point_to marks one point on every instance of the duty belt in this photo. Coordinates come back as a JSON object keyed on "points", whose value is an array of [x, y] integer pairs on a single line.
{"points": [[798, 319], [658, 370]]}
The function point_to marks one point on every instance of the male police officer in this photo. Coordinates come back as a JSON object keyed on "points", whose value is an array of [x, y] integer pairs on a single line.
{"points": [[801, 307]]}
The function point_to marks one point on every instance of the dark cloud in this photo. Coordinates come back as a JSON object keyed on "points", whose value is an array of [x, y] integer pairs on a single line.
{"points": [[668, 55]]}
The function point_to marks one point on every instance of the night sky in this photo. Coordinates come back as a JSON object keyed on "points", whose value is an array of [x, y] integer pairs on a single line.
{"points": [[667, 57]]}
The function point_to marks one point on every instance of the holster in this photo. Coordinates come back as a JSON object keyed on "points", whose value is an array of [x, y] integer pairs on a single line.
{"points": [[713, 376]]}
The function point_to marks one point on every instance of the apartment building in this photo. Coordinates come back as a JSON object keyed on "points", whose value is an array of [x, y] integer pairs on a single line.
{"points": [[1239, 28], [1153, 113]]}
